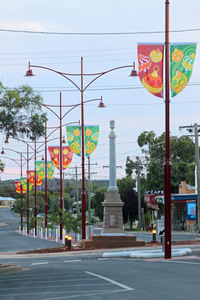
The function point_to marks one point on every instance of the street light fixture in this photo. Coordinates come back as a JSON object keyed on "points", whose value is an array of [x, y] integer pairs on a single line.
{"points": [[82, 89]]}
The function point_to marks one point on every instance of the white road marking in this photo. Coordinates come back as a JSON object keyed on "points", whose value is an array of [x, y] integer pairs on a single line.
{"points": [[40, 263], [74, 260], [111, 281], [181, 262], [90, 294]]}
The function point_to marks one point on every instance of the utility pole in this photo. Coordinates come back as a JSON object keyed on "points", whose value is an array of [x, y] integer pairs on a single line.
{"points": [[138, 191], [194, 129], [89, 188]]}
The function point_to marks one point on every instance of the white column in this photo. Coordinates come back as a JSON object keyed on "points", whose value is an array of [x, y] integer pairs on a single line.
{"points": [[112, 158]]}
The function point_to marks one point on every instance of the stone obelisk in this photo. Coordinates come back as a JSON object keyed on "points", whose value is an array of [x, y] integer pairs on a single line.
{"points": [[113, 220]]}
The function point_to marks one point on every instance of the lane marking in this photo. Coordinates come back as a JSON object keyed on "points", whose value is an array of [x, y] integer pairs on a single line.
{"points": [[111, 281], [182, 262], [64, 292], [72, 260], [90, 294], [40, 263]]}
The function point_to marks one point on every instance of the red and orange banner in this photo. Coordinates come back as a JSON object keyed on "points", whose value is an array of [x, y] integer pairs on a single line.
{"points": [[54, 152], [150, 67], [31, 178], [18, 187]]}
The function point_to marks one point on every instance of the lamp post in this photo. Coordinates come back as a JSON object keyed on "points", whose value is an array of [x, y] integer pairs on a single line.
{"points": [[82, 89], [60, 116], [167, 165]]}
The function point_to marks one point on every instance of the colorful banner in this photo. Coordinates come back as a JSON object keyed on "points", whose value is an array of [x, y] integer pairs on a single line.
{"points": [[40, 169], [74, 138], [50, 169], [18, 187], [181, 65], [91, 138], [150, 67], [54, 152], [23, 181], [31, 178]]}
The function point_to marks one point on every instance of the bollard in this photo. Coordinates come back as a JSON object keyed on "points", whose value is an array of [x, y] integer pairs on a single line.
{"points": [[154, 235], [69, 242], [56, 235], [63, 235], [23, 231], [49, 232], [26, 231], [45, 233], [19, 229], [34, 232], [66, 240], [41, 233]]}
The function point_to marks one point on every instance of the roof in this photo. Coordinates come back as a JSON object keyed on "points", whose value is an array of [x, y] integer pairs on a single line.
{"points": [[7, 199]]}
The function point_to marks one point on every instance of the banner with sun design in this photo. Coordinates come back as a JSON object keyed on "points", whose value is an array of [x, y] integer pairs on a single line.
{"points": [[40, 169], [74, 138], [150, 67], [50, 169], [181, 65], [91, 138], [24, 183], [18, 187], [31, 178], [54, 152]]}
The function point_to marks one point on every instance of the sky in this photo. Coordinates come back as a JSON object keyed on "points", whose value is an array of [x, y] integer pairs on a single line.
{"points": [[56, 34]]}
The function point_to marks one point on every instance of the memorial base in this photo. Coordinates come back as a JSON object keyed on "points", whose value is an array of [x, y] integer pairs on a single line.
{"points": [[110, 241]]}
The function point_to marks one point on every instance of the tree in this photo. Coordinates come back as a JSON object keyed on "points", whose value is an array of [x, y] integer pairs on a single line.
{"points": [[130, 199], [21, 112], [181, 154], [97, 203]]}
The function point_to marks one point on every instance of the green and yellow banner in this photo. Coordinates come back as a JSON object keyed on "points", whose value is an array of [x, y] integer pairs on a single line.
{"points": [[181, 65], [40, 169], [74, 138], [24, 181]]}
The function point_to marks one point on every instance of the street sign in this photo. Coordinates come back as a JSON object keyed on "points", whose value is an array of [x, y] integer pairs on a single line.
{"points": [[160, 227]]}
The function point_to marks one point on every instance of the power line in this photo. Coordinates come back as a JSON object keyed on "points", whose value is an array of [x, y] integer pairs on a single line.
{"points": [[95, 33]]}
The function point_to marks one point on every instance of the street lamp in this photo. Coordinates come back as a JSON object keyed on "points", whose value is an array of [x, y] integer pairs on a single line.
{"points": [[60, 116], [82, 89]]}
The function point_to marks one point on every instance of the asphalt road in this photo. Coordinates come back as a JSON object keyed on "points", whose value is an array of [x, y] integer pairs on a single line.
{"points": [[11, 240], [85, 276], [95, 278]]}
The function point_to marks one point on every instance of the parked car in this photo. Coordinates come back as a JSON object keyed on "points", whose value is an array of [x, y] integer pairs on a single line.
{"points": [[41, 215]]}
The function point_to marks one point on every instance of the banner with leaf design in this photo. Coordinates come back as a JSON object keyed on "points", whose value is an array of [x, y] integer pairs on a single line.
{"points": [[50, 169], [91, 138], [31, 178], [181, 65], [150, 67], [24, 181], [67, 155], [18, 187], [74, 138], [40, 169]]}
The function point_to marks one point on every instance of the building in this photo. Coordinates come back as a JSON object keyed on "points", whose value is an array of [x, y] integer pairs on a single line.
{"points": [[6, 201], [183, 207]]}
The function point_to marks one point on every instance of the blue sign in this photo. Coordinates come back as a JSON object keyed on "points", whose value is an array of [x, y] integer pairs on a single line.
{"points": [[191, 211]]}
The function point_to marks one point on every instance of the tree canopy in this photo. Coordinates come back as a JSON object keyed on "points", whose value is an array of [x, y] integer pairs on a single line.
{"points": [[21, 112], [182, 157]]}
